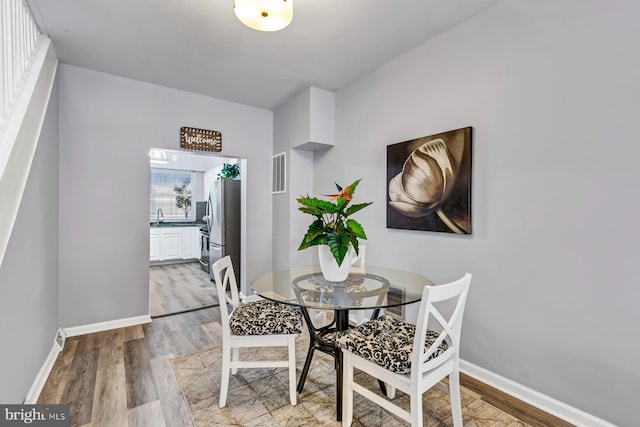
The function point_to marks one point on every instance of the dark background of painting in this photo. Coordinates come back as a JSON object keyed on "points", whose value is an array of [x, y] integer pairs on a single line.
{"points": [[458, 205]]}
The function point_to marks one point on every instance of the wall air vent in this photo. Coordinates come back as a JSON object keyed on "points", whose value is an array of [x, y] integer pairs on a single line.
{"points": [[279, 173]]}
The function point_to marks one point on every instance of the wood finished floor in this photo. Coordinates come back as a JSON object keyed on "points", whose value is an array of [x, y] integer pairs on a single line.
{"points": [[124, 378], [175, 288]]}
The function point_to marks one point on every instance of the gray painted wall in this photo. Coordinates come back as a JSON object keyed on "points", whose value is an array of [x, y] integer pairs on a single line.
{"points": [[104, 230], [291, 128], [551, 89], [29, 272], [301, 167], [191, 161]]}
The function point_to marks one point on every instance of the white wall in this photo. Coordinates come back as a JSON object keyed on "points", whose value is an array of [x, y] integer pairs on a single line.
{"points": [[300, 167], [104, 230], [291, 128], [189, 161], [29, 272], [302, 125], [551, 89]]}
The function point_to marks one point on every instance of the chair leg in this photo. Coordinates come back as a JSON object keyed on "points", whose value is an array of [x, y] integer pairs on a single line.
{"points": [[293, 396], [454, 395], [391, 391], [416, 408], [224, 382], [347, 390], [236, 357]]}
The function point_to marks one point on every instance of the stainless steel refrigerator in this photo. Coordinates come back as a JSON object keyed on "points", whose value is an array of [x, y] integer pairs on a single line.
{"points": [[223, 209]]}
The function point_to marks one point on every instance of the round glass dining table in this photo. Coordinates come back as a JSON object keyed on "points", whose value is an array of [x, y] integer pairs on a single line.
{"points": [[366, 288]]}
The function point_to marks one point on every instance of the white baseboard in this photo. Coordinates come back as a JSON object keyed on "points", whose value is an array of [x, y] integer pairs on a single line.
{"points": [[41, 378], [548, 404], [105, 326]]}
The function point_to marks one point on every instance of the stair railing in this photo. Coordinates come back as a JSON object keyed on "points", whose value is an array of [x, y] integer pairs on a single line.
{"points": [[18, 37]]}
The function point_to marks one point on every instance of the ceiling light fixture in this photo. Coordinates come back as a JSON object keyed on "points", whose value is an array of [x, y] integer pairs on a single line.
{"points": [[158, 156], [264, 15]]}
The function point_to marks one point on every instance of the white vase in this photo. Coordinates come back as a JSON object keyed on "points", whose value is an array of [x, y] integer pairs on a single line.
{"points": [[331, 271]]}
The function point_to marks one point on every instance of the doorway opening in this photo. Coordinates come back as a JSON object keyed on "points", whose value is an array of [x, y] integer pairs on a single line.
{"points": [[181, 183]]}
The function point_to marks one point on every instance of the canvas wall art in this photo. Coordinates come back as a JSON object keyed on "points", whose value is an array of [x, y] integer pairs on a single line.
{"points": [[429, 183]]}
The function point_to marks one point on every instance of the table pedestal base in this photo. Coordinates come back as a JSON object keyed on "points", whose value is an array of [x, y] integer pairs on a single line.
{"points": [[324, 339]]}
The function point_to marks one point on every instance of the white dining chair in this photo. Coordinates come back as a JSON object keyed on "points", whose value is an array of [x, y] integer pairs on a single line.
{"points": [[260, 323], [357, 263], [407, 357], [356, 317]]}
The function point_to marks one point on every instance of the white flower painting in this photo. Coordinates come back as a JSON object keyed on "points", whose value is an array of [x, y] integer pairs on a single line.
{"points": [[429, 183]]}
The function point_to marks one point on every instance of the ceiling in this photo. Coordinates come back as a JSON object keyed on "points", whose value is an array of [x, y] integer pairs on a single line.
{"points": [[199, 46]]}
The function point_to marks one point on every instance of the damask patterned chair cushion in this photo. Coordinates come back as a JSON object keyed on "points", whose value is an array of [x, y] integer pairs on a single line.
{"points": [[265, 317], [387, 342]]}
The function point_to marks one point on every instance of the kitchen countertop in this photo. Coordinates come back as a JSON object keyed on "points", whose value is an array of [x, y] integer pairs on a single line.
{"points": [[176, 224]]}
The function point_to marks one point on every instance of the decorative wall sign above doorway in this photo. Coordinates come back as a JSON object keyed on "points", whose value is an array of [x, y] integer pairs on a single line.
{"points": [[429, 183], [200, 139]]}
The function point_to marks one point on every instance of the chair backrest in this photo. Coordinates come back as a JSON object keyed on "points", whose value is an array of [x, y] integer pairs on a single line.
{"points": [[448, 326], [358, 262], [227, 288]]}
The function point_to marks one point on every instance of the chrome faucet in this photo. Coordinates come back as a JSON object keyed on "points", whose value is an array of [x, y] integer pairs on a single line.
{"points": [[159, 216]]}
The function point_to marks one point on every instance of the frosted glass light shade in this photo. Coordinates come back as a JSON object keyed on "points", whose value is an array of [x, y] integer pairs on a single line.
{"points": [[264, 15], [158, 156]]}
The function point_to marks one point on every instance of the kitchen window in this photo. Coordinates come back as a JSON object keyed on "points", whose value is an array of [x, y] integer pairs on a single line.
{"points": [[171, 195]]}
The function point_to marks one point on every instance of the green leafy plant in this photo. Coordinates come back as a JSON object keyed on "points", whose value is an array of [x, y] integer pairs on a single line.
{"points": [[229, 170], [331, 226]]}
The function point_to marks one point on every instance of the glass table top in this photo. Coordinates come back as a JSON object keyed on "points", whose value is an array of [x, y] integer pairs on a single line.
{"points": [[365, 288]]}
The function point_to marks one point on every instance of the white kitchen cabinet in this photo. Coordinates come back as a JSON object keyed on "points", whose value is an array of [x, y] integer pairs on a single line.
{"points": [[190, 243], [154, 244], [174, 243], [170, 243]]}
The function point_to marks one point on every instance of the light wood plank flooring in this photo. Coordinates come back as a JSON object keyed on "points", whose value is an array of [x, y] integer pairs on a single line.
{"points": [[124, 377], [176, 288]]}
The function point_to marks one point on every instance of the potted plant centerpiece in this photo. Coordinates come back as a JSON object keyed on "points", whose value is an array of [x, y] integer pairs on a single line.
{"points": [[335, 234]]}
